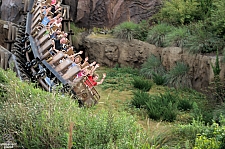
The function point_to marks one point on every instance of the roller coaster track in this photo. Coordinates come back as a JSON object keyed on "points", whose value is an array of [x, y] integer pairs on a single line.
{"points": [[31, 48]]}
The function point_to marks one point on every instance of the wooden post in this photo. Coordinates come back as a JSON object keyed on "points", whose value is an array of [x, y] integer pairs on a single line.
{"points": [[6, 60], [9, 35], [70, 139], [2, 59]]}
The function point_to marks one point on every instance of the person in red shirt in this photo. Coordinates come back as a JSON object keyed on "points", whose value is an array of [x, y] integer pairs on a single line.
{"points": [[93, 77]]}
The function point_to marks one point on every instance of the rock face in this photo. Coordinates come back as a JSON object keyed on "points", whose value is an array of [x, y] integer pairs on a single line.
{"points": [[108, 13], [11, 10], [92, 13], [112, 51]]}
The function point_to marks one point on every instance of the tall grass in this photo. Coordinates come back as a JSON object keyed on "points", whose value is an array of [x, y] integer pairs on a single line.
{"points": [[38, 119], [157, 34], [178, 76], [125, 30]]}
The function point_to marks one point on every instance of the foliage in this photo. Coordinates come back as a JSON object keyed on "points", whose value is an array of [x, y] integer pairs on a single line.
{"points": [[142, 84], [212, 137], [38, 119], [151, 66], [163, 107], [177, 37], [119, 78], [76, 40], [189, 131], [201, 40], [142, 30], [125, 30], [139, 99], [105, 130], [204, 7], [184, 104], [3, 91], [217, 88], [178, 76], [157, 34], [216, 68], [159, 79], [217, 20], [179, 12]]}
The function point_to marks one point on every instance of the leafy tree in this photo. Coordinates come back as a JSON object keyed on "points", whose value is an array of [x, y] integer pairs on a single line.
{"points": [[179, 12], [217, 20], [201, 40]]}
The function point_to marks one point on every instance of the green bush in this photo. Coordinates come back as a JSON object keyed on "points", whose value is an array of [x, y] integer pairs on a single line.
{"points": [[125, 30], [178, 76], [179, 12], [159, 79], [157, 34], [139, 99], [217, 20], [177, 37], [184, 105], [201, 40], [189, 131], [142, 84], [142, 30], [153, 65], [211, 137], [163, 106]]}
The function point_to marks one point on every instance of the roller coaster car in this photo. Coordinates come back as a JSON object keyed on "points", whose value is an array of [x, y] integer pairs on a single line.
{"points": [[55, 69], [87, 97]]}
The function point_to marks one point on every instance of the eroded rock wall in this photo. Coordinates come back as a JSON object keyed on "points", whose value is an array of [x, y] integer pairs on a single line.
{"points": [[108, 13], [110, 51], [11, 10]]}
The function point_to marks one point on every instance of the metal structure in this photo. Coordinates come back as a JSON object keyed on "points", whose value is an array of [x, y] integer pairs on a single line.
{"points": [[31, 46]]}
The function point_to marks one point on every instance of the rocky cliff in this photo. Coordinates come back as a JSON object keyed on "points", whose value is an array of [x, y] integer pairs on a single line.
{"points": [[11, 10], [108, 13], [92, 13], [110, 51]]}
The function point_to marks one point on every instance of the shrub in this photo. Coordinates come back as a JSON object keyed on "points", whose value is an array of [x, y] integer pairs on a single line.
{"points": [[142, 30], [211, 137], [159, 79], [178, 76], [125, 30], [201, 40], [189, 131], [179, 12], [184, 105], [139, 99], [153, 65], [142, 84], [177, 37], [157, 34], [217, 20], [162, 107]]}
